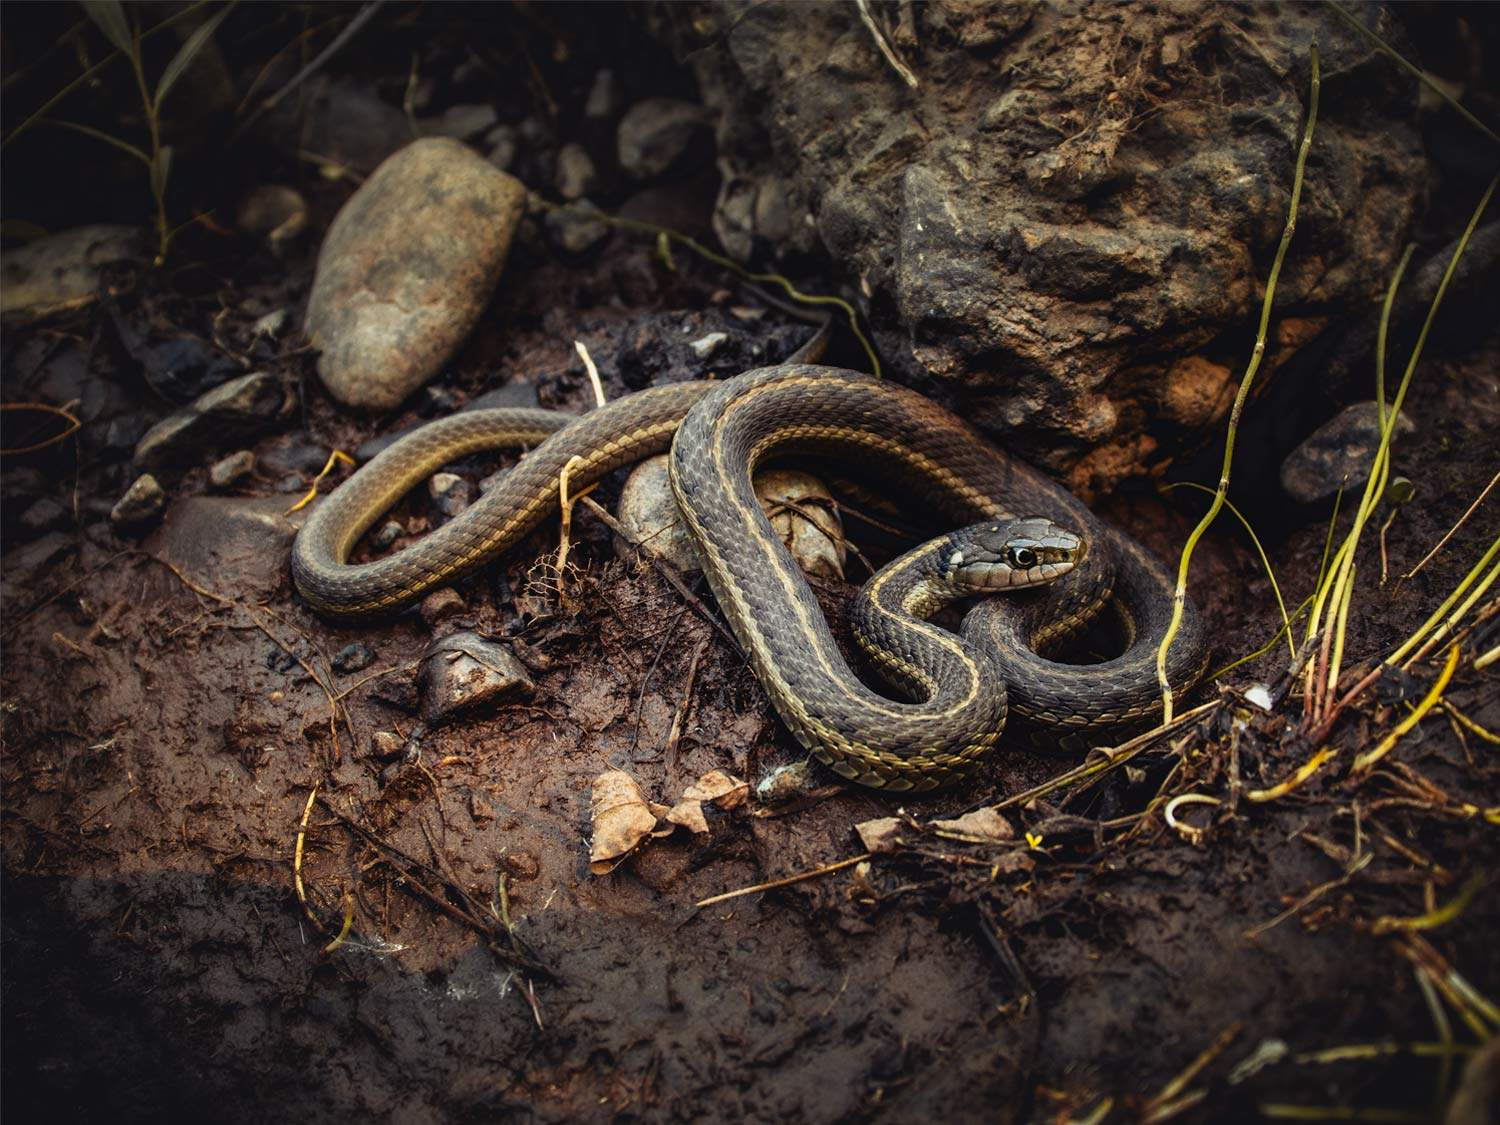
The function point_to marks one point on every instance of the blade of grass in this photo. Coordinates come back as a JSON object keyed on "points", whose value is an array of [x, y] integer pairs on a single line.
{"points": [[1180, 595], [186, 54]]}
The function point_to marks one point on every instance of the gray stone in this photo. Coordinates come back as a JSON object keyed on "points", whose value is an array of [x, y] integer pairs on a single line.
{"points": [[61, 270], [655, 132], [142, 503], [606, 96], [575, 176], [576, 229], [407, 267], [236, 546], [389, 532], [218, 418], [38, 553], [1338, 454], [648, 513], [450, 492], [1045, 262], [232, 469], [464, 673]]}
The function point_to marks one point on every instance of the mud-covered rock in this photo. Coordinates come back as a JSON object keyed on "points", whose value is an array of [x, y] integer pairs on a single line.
{"points": [[463, 673], [354, 657], [1338, 454], [406, 268], [1073, 198], [235, 546]]}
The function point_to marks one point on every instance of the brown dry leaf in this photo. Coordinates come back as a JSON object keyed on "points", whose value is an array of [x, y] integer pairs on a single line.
{"points": [[715, 787], [689, 814], [719, 788], [662, 813], [620, 818], [879, 836], [982, 825]]}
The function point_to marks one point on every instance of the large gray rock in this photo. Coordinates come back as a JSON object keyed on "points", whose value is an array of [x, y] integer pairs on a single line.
{"points": [[1051, 218], [406, 268]]}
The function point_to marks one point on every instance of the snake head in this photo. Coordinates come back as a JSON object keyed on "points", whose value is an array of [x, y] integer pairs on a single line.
{"points": [[1013, 555]]}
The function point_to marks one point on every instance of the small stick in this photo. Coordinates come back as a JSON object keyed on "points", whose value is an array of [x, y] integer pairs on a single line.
{"points": [[832, 867]]}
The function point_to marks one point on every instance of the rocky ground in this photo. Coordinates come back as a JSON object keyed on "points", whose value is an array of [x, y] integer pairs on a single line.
{"points": [[258, 864]]}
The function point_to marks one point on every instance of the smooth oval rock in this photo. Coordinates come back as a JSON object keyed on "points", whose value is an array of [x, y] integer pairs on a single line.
{"points": [[406, 268]]}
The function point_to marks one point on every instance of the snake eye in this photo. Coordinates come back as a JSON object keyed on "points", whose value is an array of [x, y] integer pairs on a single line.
{"points": [[1022, 557]]}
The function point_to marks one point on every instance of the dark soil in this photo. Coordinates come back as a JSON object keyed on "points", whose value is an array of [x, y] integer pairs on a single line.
{"points": [[171, 724]]}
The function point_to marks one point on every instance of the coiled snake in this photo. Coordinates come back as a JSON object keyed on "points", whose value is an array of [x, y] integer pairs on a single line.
{"points": [[964, 684]]}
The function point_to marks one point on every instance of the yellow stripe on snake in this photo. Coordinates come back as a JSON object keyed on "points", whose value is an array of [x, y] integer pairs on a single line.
{"points": [[962, 685]]}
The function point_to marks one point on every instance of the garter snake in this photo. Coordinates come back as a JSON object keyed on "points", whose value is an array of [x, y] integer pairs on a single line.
{"points": [[722, 432]]}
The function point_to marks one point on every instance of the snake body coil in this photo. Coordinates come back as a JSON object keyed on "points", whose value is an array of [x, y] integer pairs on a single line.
{"points": [[723, 431]]}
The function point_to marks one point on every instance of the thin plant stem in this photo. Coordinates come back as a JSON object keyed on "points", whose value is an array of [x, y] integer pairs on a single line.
{"points": [[1180, 595]]}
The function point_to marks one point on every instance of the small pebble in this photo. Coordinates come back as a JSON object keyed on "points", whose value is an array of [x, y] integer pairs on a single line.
{"points": [[291, 483], [232, 469], [450, 492], [707, 345], [353, 658], [575, 176], [389, 532], [606, 96], [441, 604], [576, 229], [386, 744], [142, 503]]}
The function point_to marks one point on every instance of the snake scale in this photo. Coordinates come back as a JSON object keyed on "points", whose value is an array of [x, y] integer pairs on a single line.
{"points": [[718, 433]]}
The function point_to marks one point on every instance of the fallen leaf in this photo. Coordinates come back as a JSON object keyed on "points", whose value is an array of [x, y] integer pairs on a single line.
{"points": [[981, 824], [879, 836], [620, 818], [716, 788], [719, 788]]}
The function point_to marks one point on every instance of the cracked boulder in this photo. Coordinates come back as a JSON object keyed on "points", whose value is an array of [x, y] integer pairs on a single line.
{"points": [[1073, 198]]}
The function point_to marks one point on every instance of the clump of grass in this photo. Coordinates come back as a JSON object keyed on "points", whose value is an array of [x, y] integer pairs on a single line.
{"points": [[126, 36]]}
